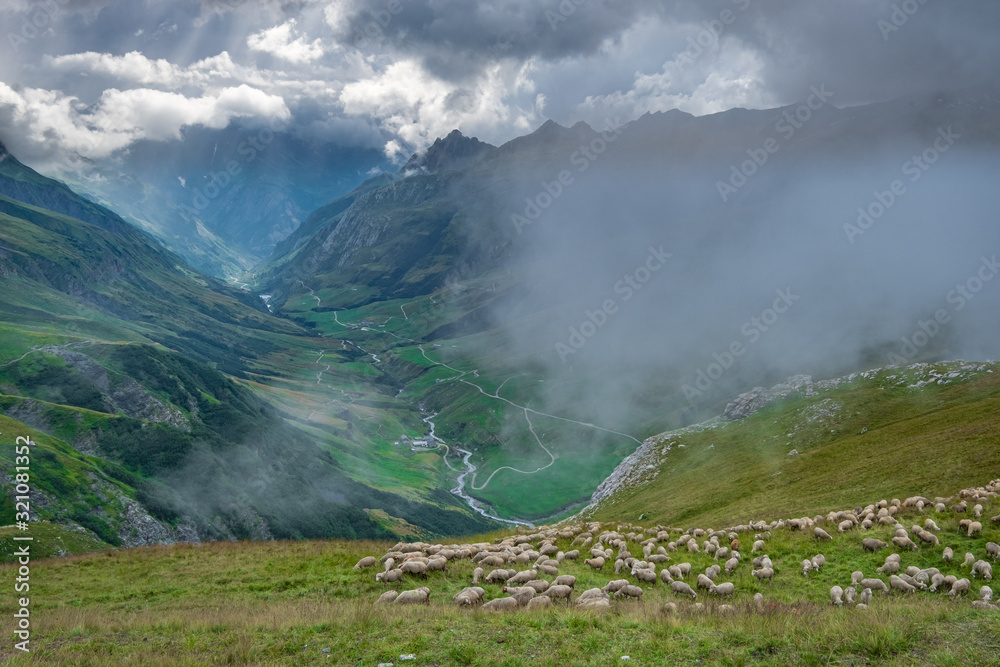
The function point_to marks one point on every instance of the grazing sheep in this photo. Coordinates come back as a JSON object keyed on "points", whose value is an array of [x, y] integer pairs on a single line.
{"points": [[948, 554], [890, 567], [565, 580], [492, 561], [439, 564], [417, 596], [993, 549], [969, 559], [904, 543], [974, 527], [807, 566], [469, 597], [685, 569], [821, 534], [705, 582], [547, 568], [615, 586], [901, 585], [670, 607], [875, 584], [849, 594], [726, 589], [559, 592], [732, 564], [630, 591], [540, 585], [681, 588], [836, 595], [502, 604], [522, 577], [645, 575], [390, 577], [928, 537], [930, 525], [596, 563], [367, 561], [592, 593], [572, 555], [758, 602], [984, 568], [538, 603], [499, 576], [477, 575], [937, 581], [986, 594], [818, 561], [520, 593], [977, 511], [414, 567], [763, 573], [866, 597], [871, 544], [387, 597], [757, 546], [856, 577], [959, 587], [913, 582], [845, 526]]}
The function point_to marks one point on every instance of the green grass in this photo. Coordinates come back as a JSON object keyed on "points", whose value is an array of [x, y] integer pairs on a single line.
{"points": [[284, 602]]}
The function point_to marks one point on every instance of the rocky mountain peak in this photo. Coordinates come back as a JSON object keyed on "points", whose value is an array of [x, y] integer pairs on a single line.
{"points": [[452, 153]]}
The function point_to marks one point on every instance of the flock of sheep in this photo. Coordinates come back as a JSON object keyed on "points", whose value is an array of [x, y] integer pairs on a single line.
{"points": [[519, 563]]}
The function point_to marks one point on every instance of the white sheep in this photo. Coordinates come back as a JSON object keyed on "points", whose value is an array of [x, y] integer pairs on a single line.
{"points": [[630, 591], [900, 585], [705, 582], [681, 588], [540, 585], [596, 563], [993, 549], [758, 602], [726, 589], [969, 559], [502, 604], [615, 586], [983, 568], [818, 561], [390, 577], [974, 527], [417, 596], [520, 593], [538, 603], [807, 566], [875, 584], [836, 595], [367, 561], [565, 580], [763, 573], [387, 597], [559, 592], [849, 594], [856, 577], [986, 594], [821, 534], [866, 597], [732, 564], [890, 567], [959, 587], [930, 525], [948, 554]]}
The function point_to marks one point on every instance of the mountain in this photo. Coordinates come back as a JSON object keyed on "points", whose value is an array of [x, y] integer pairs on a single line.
{"points": [[141, 381], [452, 153], [223, 199]]}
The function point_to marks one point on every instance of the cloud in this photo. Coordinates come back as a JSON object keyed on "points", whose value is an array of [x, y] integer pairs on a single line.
{"points": [[45, 123], [279, 42]]}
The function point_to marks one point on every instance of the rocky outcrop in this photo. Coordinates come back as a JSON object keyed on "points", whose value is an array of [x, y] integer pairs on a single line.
{"points": [[757, 398], [122, 394]]}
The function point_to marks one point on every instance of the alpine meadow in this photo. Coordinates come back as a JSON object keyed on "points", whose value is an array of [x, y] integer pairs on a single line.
{"points": [[454, 332]]}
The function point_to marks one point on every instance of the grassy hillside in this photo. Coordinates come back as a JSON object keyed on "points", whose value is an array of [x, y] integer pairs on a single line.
{"points": [[301, 602], [913, 430]]}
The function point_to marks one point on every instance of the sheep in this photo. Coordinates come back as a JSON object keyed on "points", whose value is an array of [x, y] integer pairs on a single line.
{"points": [[492, 561], [520, 593], [757, 546], [502, 604], [993, 549], [849, 594], [856, 577], [598, 604], [930, 525], [386, 597], [681, 588], [875, 584], [928, 537], [592, 593], [538, 603], [522, 577], [559, 592], [984, 568], [758, 602], [414, 567], [417, 596], [645, 575], [845, 525], [986, 594], [974, 527], [726, 589], [565, 580], [469, 597], [900, 585], [547, 568], [477, 575], [762, 561], [818, 561], [866, 597], [904, 543], [540, 585], [630, 591], [977, 511], [871, 544], [367, 561], [499, 576], [937, 581], [595, 563], [836, 593], [821, 534], [685, 569], [807, 566], [437, 564], [615, 586], [969, 559], [890, 567], [390, 577], [572, 555], [705, 582], [916, 583], [948, 554], [713, 571], [763, 573], [732, 564], [959, 587]]}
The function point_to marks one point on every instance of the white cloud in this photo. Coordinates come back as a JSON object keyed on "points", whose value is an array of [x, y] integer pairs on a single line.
{"points": [[279, 42], [40, 120]]}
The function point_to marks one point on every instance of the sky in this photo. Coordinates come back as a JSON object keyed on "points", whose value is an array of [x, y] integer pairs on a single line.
{"points": [[91, 77]]}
